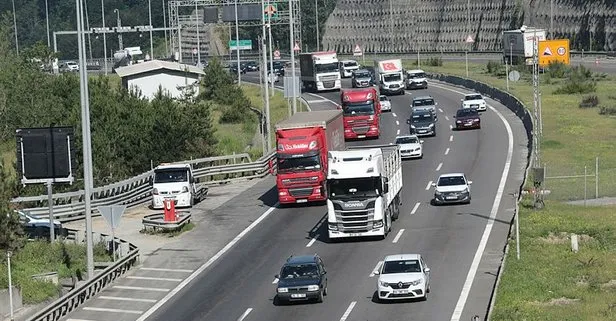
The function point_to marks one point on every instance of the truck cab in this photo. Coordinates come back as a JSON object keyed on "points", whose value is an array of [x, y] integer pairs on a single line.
{"points": [[176, 182], [390, 76], [361, 109], [320, 71]]}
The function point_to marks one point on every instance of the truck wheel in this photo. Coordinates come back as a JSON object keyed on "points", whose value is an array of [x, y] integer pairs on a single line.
{"points": [[192, 201]]}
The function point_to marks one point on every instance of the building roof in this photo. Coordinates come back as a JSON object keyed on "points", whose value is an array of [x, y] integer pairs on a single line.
{"points": [[153, 65]]}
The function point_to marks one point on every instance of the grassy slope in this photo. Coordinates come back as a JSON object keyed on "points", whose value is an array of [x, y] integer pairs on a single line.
{"points": [[530, 288]]}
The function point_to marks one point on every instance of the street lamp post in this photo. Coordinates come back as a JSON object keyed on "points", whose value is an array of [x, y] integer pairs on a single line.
{"points": [[271, 54], [120, 43], [15, 27], [316, 18], [104, 34], [292, 45], [237, 46], [198, 35], [47, 20], [151, 37], [165, 25]]}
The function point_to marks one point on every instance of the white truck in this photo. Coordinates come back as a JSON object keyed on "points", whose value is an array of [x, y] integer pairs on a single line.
{"points": [[390, 76], [319, 71], [363, 187], [176, 182], [518, 44]]}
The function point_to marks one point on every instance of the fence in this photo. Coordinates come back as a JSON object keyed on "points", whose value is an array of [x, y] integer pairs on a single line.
{"points": [[575, 182], [137, 190]]}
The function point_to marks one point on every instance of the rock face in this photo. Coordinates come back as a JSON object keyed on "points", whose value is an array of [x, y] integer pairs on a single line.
{"points": [[443, 25]]}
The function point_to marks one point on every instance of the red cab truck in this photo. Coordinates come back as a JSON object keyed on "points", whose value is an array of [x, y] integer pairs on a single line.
{"points": [[361, 109], [302, 144]]}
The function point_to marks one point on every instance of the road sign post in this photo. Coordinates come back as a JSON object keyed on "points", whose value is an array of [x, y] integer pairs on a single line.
{"points": [[243, 45], [112, 215], [469, 40], [277, 54], [272, 10]]}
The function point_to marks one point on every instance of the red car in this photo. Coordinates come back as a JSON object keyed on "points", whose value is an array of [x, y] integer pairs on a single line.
{"points": [[467, 118]]}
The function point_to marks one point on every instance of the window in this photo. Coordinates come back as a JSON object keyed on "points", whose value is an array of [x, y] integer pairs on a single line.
{"points": [[401, 266], [172, 175], [451, 181]]}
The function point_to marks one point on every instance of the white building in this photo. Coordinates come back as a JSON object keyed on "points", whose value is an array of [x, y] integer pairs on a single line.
{"points": [[149, 76]]}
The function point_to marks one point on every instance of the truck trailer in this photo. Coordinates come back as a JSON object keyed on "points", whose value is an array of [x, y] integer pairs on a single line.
{"points": [[364, 188], [390, 76], [303, 141], [361, 109], [518, 45], [319, 71]]}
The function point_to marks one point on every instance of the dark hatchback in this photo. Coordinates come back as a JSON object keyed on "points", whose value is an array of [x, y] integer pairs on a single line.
{"points": [[301, 278], [251, 66], [233, 68], [467, 118], [422, 123]]}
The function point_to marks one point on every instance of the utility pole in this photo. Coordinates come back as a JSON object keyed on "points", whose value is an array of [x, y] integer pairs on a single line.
{"points": [[269, 36], [120, 43], [165, 25], [551, 19], [292, 44], [47, 21], [85, 4], [104, 35], [391, 24], [537, 127], [266, 87], [237, 47], [198, 36], [151, 37], [316, 18], [15, 27]]}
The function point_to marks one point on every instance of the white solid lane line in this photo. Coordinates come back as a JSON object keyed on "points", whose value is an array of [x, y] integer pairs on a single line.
{"points": [[429, 185], [207, 264], [112, 310], [246, 313], [438, 168], [451, 138], [376, 268], [139, 288], [397, 238], [314, 239], [415, 208], [398, 132], [119, 298], [397, 123], [447, 118], [348, 311], [394, 114], [447, 151], [152, 279], [166, 270], [440, 110]]}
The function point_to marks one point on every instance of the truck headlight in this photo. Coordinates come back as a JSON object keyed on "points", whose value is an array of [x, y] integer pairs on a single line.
{"points": [[283, 290], [155, 191], [313, 288], [332, 226], [185, 189], [377, 224]]}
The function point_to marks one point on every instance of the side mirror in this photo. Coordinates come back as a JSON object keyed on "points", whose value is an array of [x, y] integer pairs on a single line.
{"points": [[385, 185], [427, 270], [469, 182], [408, 121], [433, 184], [376, 272], [421, 141], [435, 104], [454, 116], [324, 272], [277, 276]]}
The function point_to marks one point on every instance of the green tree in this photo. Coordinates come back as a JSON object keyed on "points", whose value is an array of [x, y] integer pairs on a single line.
{"points": [[11, 233]]}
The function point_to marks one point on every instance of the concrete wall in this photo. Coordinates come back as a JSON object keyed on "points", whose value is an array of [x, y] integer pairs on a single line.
{"points": [[4, 301], [149, 83]]}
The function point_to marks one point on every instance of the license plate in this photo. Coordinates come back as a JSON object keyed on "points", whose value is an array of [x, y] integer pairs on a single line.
{"points": [[401, 291], [361, 136], [170, 197], [468, 124], [298, 295], [354, 234], [452, 198], [301, 201]]}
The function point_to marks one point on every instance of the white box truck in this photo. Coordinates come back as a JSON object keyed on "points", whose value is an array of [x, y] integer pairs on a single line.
{"points": [[390, 76], [363, 187], [319, 71], [176, 182], [518, 44]]}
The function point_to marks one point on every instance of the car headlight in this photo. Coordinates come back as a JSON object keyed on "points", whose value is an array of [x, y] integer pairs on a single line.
{"points": [[283, 290], [185, 189], [313, 288], [383, 283], [416, 282], [431, 125], [437, 193], [413, 126], [465, 191]]}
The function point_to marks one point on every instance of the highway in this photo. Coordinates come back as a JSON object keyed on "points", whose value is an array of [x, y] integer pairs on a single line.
{"points": [[461, 243]]}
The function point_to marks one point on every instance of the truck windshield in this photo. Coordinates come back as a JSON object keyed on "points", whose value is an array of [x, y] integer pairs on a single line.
{"points": [[417, 75], [392, 77], [354, 188], [357, 109], [175, 175], [330, 67], [286, 165], [350, 64]]}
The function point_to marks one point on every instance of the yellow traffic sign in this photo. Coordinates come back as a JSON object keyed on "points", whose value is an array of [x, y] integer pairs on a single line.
{"points": [[552, 51]]}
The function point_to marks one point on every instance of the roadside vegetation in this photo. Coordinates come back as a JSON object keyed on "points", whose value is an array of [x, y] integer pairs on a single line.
{"points": [[550, 282]]}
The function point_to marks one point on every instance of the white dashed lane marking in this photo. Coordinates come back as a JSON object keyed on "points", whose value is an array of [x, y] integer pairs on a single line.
{"points": [[245, 314], [394, 114], [438, 168], [447, 151], [415, 208], [397, 238], [428, 186], [348, 311], [314, 239], [397, 123], [451, 138]]}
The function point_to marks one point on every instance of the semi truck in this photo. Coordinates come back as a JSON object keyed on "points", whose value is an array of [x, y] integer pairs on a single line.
{"points": [[518, 45], [176, 182], [302, 144], [363, 188], [390, 76], [361, 109], [319, 71]]}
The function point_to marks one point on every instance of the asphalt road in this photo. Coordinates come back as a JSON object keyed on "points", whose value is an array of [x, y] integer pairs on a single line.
{"points": [[453, 239]]}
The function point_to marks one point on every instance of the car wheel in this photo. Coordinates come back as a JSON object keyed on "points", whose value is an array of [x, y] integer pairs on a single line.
{"points": [[277, 300], [320, 297], [421, 156], [325, 290]]}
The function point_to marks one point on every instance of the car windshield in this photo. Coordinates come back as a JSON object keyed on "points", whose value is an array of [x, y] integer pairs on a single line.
{"points": [[401, 266], [417, 75], [451, 181], [362, 74], [357, 109], [278, 65], [300, 163], [421, 118], [300, 271], [391, 77], [174, 175], [473, 97], [467, 113], [330, 67], [350, 64], [383, 98], [354, 188], [423, 102], [407, 140]]}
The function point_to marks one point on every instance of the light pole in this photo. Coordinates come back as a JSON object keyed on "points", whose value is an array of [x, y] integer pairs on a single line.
{"points": [[120, 43], [151, 37], [269, 34], [391, 24], [292, 45], [8, 267], [266, 87], [87, 140], [47, 20], [85, 3], [551, 19], [165, 25], [104, 34], [198, 36], [15, 27], [316, 18], [237, 47]]}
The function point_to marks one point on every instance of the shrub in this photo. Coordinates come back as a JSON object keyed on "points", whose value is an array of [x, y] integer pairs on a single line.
{"points": [[435, 62], [557, 69], [589, 101], [493, 67], [577, 87], [608, 111]]}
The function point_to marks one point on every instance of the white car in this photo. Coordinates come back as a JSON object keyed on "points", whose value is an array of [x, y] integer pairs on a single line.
{"points": [[410, 146], [452, 188], [347, 67], [72, 66], [416, 78], [403, 276], [385, 103], [474, 101]]}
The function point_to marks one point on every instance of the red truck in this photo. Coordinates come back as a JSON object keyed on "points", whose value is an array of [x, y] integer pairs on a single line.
{"points": [[302, 144], [362, 112]]}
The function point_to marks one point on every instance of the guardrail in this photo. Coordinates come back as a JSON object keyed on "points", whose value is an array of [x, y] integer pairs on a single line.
{"points": [[516, 106], [137, 190], [90, 288]]}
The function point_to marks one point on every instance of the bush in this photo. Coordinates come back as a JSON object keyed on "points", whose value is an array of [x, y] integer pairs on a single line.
{"points": [[435, 62], [608, 111], [557, 69], [576, 87], [494, 67], [589, 101]]}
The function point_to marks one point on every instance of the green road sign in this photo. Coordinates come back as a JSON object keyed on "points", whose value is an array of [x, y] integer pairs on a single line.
{"points": [[272, 9], [244, 45]]}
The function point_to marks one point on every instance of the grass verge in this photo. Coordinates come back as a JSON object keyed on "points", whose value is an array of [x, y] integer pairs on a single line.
{"points": [[38, 257], [550, 282]]}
